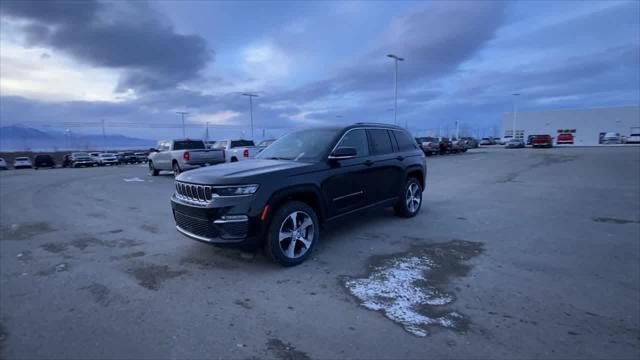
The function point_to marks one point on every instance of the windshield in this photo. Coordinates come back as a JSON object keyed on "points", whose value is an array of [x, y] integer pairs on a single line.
{"points": [[303, 145]]}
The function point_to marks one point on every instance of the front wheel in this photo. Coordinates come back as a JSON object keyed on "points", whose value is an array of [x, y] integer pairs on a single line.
{"points": [[411, 199], [292, 234], [152, 170]]}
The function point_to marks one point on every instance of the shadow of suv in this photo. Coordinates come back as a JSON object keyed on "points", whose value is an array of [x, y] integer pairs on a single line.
{"points": [[304, 179]]}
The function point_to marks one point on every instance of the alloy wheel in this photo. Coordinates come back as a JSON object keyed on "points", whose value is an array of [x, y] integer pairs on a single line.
{"points": [[296, 234], [413, 197]]}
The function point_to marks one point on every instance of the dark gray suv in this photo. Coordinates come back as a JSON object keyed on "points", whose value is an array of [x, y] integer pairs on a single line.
{"points": [[304, 179]]}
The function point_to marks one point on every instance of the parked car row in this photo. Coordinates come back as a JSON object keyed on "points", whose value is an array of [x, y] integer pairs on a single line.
{"points": [[76, 159], [443, 145]]}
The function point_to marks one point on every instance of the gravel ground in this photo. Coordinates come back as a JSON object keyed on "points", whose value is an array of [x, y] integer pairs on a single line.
{"points": [[517, 254]]}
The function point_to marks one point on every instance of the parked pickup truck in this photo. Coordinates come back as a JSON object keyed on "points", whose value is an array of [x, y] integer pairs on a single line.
{"points": [[182, 155], [237, 150]]}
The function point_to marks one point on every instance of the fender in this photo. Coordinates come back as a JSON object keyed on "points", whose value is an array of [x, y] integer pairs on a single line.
{"points": [[284, 193]]}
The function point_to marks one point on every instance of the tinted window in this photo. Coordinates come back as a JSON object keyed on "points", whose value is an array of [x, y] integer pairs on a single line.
{"points": [[188, 145], [404, 141], [43, 158], [356, 139], [380, 141], [241, 143]]}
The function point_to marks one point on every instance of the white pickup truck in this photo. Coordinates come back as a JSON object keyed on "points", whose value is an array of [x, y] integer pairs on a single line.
{"points": [[236, 150], [182, 155]]}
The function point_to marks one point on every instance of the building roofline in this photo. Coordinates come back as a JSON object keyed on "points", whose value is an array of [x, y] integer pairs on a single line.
{"points": [[574, 109]]}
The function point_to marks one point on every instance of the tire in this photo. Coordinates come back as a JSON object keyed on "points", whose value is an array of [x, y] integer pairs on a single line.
{"points": [[176, 169], [410, 200], [152, 169], [233, 159], [290, 219]]}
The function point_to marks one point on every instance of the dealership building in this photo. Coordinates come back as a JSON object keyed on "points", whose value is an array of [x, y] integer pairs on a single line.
{"points": [[587, 125]]}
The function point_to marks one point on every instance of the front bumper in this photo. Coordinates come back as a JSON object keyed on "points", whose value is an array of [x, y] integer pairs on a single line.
{"points": [[222, 222]]}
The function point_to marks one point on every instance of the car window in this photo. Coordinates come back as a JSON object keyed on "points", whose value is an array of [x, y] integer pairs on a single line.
{"points": [[404, 141], [188, 145], [380, 141], [357, 139], [241, 143]]}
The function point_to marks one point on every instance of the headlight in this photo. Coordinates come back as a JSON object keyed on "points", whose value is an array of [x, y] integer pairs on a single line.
{"points": [[235, 190]]}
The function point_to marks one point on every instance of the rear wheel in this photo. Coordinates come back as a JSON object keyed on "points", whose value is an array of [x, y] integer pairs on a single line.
{"points": [[152, 169], [292, 234], [233, 159], [411, 199], [176, 169]]}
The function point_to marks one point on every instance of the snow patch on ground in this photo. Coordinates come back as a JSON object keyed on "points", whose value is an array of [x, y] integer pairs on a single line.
{"points": [[134, 179], [400, 290]]}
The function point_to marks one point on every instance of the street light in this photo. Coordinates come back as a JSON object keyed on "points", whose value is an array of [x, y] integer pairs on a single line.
{"points": [[182, 114], [395, 99], [250, 96], [515, 113]]}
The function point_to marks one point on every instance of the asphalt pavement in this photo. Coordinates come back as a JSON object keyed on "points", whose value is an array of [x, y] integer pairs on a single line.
{"points": [[527, 253]]}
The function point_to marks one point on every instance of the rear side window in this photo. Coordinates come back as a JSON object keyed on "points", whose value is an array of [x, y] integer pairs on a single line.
{"points": [[356, 139], [188, 145], [404, 141], [380, 141]]}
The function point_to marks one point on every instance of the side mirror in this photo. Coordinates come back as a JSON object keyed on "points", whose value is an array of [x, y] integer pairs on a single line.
{"points": [[343, 153]]}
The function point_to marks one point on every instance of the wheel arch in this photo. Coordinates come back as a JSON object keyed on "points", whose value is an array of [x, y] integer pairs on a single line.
{"points": [[308, 194]]}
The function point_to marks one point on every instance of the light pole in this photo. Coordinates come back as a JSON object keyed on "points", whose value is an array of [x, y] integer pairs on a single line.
{"points": [[183, 114], [395, 97], [250, 96], [515, 113]]}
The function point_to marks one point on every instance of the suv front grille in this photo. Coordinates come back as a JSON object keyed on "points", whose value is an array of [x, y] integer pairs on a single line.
{"points": [[193, 192]]}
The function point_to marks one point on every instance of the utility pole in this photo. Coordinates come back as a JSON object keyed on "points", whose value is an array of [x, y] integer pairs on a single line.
{"points": [[104, 136], [457, 129], [251, 96], [182, 114], [206, 133], [395, 97], [515, 113]]}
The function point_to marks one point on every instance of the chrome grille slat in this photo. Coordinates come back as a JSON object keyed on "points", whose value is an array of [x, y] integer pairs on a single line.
{"points": [[193, 192]]}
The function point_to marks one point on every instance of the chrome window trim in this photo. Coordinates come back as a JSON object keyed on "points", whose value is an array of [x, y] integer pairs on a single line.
{"points": [[358, 128]]}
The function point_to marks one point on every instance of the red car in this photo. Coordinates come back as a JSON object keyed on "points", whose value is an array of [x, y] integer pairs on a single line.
{"points": [[542, 141], [566, 138]]}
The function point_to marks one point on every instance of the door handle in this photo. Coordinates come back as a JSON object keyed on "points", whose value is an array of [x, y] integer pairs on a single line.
{"points": [[400, 158], [368, 162]]}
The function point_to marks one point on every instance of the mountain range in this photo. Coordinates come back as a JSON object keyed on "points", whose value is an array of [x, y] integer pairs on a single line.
{"points": [[15, 138]]}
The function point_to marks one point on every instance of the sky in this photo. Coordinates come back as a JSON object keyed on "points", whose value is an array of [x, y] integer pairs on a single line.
{"points": [[133, 65]]}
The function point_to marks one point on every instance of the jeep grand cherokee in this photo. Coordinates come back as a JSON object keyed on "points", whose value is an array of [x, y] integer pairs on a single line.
{"points": [[304, 179]]}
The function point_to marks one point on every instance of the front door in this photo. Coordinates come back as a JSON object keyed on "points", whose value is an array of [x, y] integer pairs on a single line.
{"points": [[346, 187]]}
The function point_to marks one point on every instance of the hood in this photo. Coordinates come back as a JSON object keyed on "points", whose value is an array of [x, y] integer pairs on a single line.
{"points": [[241, 172]]}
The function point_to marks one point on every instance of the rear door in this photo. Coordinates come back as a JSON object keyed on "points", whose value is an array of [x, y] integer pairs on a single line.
{"points": [[386, 174], [347, 188]]}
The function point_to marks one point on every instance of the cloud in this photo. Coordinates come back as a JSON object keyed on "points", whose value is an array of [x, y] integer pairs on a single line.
{"points": [[218, 118], [127, 36]]}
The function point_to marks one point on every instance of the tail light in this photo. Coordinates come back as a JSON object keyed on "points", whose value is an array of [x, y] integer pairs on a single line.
{"points": [[245, 153], [186, 156]]}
